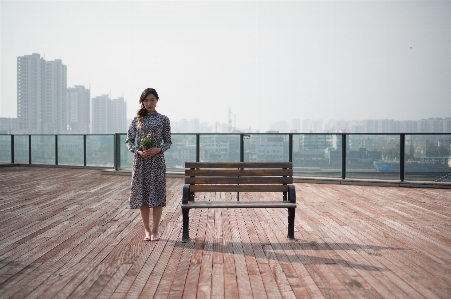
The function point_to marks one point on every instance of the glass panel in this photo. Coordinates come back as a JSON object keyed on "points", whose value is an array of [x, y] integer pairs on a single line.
{"points": [[427, 158], [5, 148], [317, 155], [70, 150], [372, 156], [126, 158], [43, 149], [219, 148], [183, 149], [100, 150], [266, 148], [21, 149]]}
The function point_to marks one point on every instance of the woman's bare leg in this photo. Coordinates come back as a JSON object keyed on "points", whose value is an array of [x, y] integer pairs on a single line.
{"points": [[157, 211], [145, 215]]}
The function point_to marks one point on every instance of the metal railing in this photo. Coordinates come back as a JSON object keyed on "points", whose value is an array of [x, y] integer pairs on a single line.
{"points": [[400, 157]]}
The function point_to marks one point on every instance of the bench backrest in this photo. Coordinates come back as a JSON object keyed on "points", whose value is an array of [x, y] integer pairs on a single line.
{"points": [[238, 176]]}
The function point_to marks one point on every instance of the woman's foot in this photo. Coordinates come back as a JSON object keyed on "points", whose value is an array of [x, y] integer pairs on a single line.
{"points": [[154, 237], [148, 237]]}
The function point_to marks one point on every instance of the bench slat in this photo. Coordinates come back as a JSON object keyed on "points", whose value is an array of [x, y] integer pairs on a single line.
{"points": [[239, 188], [238, 180], [238, 164], [238, 204], [247, 172]]}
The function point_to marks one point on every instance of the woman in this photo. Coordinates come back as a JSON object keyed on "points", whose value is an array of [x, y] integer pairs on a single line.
{"points": [[148, 186]]}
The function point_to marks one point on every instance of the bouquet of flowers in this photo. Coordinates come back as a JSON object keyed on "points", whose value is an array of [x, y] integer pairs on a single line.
{"points": [[146, 141]]}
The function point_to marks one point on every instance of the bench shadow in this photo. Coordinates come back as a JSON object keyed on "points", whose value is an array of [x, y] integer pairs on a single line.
{"points": [[275, 251]]}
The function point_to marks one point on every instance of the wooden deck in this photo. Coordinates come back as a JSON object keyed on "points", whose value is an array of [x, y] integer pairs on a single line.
{"points": [[68, 233]]}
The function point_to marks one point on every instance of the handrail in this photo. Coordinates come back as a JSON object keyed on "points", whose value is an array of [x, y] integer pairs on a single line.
{"points": [[400, 167]]}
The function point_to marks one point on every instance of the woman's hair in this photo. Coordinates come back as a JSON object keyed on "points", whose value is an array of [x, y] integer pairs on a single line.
{"points": [[143, 111]]}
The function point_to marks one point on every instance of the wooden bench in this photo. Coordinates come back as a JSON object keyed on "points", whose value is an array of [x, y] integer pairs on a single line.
{"points": [[239, 177]]}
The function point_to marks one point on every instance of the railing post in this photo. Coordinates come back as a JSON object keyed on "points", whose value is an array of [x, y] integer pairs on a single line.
{"points": [[290, 147], [241, 147], [29, 149], [116, 151], [56, 149], [343, 155], [197, 147], [84, 150], [12, 149], [402, 148]]}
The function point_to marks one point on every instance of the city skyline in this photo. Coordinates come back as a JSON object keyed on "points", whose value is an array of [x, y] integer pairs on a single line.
{"points": [[68, 110], [268, 61], [430, 125], [45, 105]]}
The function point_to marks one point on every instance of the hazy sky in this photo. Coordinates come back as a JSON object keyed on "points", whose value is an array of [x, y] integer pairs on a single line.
{"points": [[266, 60]]}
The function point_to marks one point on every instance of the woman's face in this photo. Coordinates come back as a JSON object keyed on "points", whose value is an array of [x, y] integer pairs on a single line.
{"points": [[150, 103]]}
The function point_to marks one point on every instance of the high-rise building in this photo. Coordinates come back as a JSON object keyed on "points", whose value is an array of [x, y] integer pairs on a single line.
{"points": [[296, 125], [30, 84], [117, 120], [100, 113], [195, 125], [41, 95], [78, 110], [54, 101], [280, 126], [8, 125], [312, 126], [108, 116]]}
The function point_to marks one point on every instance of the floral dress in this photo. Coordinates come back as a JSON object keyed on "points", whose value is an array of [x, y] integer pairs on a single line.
{"points": [[148, 186]]}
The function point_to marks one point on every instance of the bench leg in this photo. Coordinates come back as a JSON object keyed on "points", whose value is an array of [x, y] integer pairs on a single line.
{"points": [[291, 213], [185, 236]]}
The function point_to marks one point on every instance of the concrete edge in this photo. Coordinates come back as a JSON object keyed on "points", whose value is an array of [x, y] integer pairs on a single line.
{"points": [[308, 180]]}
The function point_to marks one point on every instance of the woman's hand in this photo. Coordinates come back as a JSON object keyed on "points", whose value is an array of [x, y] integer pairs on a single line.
{"points": [[142, 154], [150, 152]]}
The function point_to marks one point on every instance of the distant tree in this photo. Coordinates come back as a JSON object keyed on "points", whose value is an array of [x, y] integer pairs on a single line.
{"points": [[433, 150]]}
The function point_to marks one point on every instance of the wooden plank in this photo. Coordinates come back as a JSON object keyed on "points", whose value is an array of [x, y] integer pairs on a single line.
{"points": [[192, 277], [134, 280], [147, 280], [65, 257], [288, 281], [239, 173], [238, 204], [79, 239], [167, 271], [239, 188], [387, 288], [258, 241], [391, 286], [53, 256], [317, 285], [238, 165], [90, 265], [238, 180], [230, 276], [205, 278], [217, 281], [177, 287], [242, 274], [408, 265], [181, 272], [256, 282]]}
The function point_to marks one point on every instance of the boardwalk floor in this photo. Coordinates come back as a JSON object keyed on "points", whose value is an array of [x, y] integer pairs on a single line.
{"points": [[68, 233]]}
